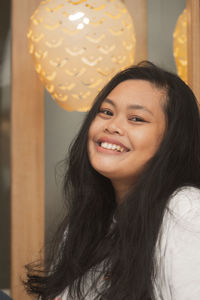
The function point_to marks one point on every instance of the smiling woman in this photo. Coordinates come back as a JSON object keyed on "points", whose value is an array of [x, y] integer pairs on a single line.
{"points": [[126, 132], [132, 190]]}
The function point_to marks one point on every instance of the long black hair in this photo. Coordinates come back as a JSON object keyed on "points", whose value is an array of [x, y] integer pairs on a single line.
{"points": [[121, 254]]}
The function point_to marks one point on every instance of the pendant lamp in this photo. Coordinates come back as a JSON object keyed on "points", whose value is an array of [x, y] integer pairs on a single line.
{"points": [[78, 45], [180, 45]]}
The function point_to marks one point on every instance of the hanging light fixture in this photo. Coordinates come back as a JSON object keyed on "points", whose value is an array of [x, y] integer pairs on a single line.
{"points": [[78, 45], [180, 45]]}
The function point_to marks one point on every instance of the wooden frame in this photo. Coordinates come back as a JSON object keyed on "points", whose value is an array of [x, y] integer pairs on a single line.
{"points": [[193, 9], [27, 151]]}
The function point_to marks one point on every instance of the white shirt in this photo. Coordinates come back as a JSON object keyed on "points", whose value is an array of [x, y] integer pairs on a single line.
{"points": [[178, 259], [178, 249]]}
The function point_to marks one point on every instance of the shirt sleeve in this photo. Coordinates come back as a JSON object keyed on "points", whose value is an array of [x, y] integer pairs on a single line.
{"points": [[179, 262]]}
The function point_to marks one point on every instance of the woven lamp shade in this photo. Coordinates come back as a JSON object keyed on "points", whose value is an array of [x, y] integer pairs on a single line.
{"points": [[180, 45], [78, 45]]}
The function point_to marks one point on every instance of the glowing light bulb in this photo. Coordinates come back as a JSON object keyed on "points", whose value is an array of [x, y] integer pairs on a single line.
{"points": [[76, 16], [80, 26], [86, 20]]}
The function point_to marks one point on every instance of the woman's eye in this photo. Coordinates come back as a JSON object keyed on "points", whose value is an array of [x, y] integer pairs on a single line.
{"points": [[106, 112], [136, 119]]}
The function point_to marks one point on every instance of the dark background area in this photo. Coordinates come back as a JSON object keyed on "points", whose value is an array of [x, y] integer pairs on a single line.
{"points": [[5, 13]]}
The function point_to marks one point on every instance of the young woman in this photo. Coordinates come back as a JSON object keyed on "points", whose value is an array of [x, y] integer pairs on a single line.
{"points": [[132, 186]]}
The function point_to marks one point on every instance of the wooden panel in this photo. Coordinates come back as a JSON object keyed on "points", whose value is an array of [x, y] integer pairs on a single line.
{"points": [[138, 11], [193, 8], [27, 151]]}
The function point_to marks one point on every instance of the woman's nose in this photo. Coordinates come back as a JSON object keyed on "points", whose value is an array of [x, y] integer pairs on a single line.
{"points": [[114, 126]]}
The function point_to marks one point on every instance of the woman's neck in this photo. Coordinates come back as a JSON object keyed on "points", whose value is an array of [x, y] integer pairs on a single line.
{"points": [[121, 189]]}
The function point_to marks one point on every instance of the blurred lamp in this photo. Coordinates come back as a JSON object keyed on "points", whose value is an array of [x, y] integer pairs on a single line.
{"points": [[180, 45], [78, 45]]}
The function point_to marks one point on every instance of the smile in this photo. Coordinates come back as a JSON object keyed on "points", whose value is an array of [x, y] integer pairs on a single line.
{"points": [[112, 147]]}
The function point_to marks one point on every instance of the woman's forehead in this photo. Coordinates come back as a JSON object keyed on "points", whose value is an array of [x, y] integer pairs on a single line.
{"points": [[137, 92]]}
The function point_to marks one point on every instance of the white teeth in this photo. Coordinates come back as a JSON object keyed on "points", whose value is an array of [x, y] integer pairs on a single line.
{"points": [[112, 146]]}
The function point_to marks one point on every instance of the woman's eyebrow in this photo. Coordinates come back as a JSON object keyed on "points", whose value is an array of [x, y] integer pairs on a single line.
{"points": [[107, 100], [141, 107], [131, 106]]}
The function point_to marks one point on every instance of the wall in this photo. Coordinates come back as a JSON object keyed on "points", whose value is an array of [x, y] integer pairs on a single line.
{"points": [[161, 21], [60, 129]]}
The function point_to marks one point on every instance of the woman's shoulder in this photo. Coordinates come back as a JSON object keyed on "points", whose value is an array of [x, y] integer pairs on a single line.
{"points": [[182, 216], [182, 211], [177, 254], [185, 200], [181, 222]]}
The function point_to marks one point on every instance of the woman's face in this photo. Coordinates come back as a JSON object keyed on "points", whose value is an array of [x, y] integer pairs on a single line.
{"points": [[127, 132]]}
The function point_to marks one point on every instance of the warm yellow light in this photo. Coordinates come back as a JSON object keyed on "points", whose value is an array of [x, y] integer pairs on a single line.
{"points": [[78, 45], [180, 45]]}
